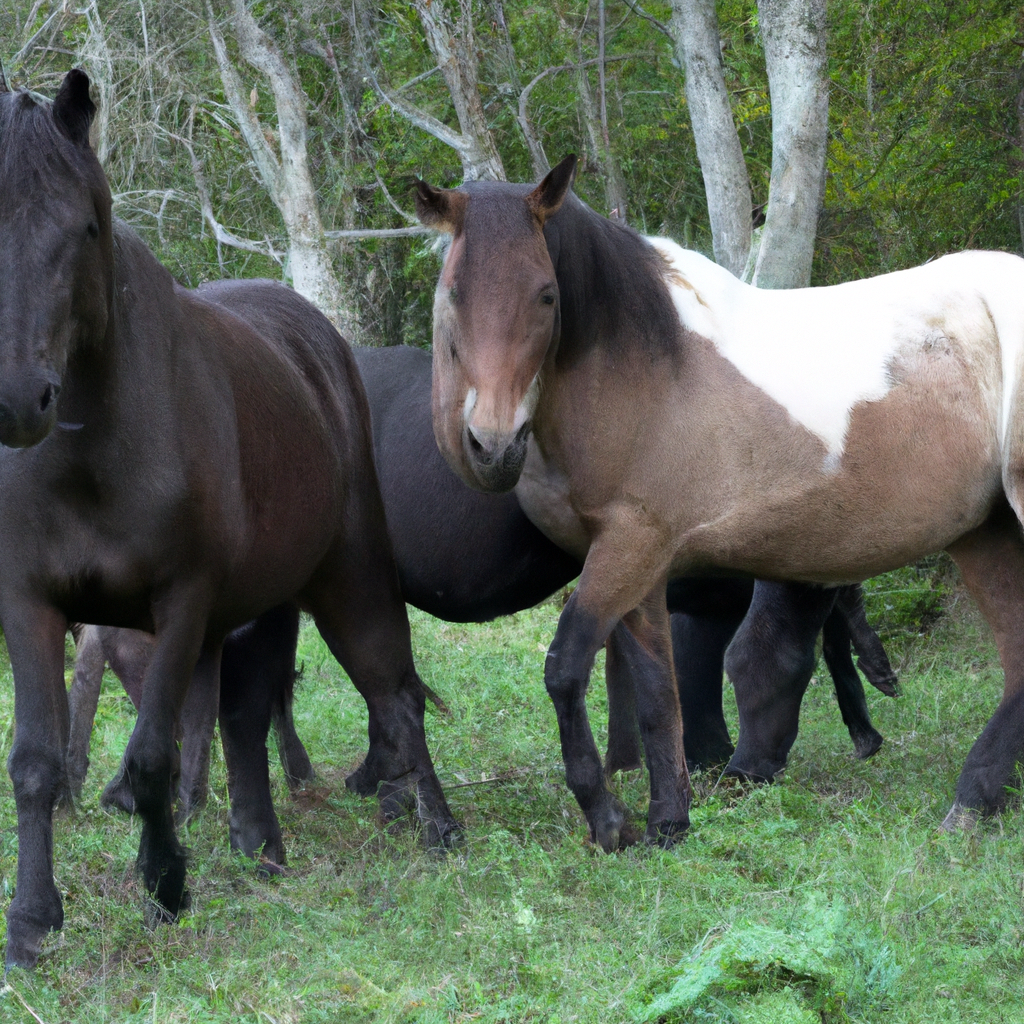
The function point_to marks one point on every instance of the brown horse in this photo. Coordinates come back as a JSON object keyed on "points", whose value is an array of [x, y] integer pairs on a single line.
{"points": [[683, 422], [178, 462]]}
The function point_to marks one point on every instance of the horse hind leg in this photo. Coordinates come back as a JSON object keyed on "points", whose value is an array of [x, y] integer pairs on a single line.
{"points": [[257, 670], [872, 658], [359, 611], [83, 700], [991, 563]]}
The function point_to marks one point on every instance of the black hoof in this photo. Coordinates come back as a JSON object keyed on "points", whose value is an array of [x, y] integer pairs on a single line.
{"points": [[868, 744], [666, 833], [364, 780], [25, 935], [118, 795]]}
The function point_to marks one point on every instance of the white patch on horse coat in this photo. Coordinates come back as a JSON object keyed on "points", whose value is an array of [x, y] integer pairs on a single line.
{"points": [[819, 352], [468, 405], [527, 407]]}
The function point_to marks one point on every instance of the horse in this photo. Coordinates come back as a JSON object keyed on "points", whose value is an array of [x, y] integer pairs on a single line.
{"points": [[178, 462], [466, 556], [661, 418]]}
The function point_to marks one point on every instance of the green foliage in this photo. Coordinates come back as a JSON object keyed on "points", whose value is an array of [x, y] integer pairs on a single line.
{"points": [[907, 602]]}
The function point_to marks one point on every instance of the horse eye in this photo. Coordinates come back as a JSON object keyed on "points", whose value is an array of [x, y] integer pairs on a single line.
{"points": [[548, 299], [93, 229]]}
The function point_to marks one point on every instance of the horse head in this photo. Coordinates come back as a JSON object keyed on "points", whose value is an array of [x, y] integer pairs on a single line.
{"points": [[56, 251], [496, 317]]}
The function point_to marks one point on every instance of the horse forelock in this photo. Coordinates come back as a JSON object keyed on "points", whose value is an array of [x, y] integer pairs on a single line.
{"points": [[34, 150]]}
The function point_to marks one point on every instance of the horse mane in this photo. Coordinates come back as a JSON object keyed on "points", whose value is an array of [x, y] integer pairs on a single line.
{"points": [[612, 288]]}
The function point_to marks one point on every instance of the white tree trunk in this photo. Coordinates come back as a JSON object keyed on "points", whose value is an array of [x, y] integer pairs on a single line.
{"points": [[726, 183], [794, 48], [285, 174]]}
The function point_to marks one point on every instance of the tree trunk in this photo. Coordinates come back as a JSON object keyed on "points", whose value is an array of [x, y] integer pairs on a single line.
{"points": [[286, 176], [794, 48], [726, 183]]}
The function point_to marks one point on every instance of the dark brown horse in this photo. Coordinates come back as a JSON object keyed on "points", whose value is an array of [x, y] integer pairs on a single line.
{"points": [[178, 462], [683, 422]]}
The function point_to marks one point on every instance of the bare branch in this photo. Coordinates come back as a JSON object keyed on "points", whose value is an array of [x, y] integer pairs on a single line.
{"points": [[380, 232], [641, 13]]}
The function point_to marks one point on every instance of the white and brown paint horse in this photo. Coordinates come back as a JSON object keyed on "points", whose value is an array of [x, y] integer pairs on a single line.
{"points": [[684, 422]]}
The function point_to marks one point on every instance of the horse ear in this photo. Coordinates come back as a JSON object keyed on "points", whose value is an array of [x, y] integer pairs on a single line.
{"points": [[441, 208], [73, 110], [547, 197]]}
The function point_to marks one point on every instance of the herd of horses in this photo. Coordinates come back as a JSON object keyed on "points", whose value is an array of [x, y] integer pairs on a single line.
{"points": [[201, 465]]}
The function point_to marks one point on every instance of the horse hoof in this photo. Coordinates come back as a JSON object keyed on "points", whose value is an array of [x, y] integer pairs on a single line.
{"points": [[118, 795], [666, 833], [443, 836], [363, 781], [156, 914], [25, 934], [608, 827], [754, 770], [868, 744], [960, 819]]}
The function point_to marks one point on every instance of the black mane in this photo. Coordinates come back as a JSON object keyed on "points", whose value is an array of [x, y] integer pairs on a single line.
{"points": [[612, 287]]}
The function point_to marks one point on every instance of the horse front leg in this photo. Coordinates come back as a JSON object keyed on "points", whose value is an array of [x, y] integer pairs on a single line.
{"points": [[151, 760], [645, 645], [35, 642], [770, 662]]}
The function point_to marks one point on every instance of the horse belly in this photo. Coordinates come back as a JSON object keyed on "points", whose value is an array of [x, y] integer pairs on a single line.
{"points": [[918, 469]]}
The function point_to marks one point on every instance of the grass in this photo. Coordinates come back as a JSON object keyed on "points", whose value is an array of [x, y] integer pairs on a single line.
{"points": [[830, 896]]}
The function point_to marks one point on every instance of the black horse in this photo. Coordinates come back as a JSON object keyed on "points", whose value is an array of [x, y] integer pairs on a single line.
{"points": [[158, 444]]}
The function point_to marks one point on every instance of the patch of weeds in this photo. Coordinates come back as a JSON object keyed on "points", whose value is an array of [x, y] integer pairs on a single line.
{"points": [[907, 602], [817, 968]]}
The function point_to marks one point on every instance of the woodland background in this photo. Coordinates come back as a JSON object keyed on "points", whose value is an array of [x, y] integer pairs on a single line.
{"points": [[270, 138]]}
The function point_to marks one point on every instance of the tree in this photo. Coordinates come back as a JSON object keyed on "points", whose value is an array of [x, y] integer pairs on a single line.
{"points": [[781, 254], [282, 161]]}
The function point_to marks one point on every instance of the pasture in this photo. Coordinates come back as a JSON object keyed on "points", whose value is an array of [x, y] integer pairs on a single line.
{"points": [[830, 896]]}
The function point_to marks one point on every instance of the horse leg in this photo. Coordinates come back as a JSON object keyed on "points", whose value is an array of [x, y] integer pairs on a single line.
{"points": [[279, 632], [198, 718], [35, 642], [991, 562], [83, 700], [623, 754], [358, 608], [257, 668], [128, 652], [699, 643], [835, 645], [770, 662], [601, 598], [871, 657], [151, 758]]}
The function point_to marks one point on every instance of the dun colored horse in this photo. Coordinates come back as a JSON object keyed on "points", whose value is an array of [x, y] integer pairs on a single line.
{"points": [[685, 423], [178, 462]]}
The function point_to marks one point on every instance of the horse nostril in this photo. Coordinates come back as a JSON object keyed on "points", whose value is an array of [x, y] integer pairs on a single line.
{"points": [[477, 447], [49, 395]]}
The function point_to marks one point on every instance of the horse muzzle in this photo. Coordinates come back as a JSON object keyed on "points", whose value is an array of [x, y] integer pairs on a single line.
{"points": [[494, 458], [28, 409]]}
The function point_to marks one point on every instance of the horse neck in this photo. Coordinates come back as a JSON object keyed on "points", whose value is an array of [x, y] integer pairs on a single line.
{"points": [[104, 373]]}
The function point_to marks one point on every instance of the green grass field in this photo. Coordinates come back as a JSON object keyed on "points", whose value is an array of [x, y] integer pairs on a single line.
{"points": [[830, 896]]}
